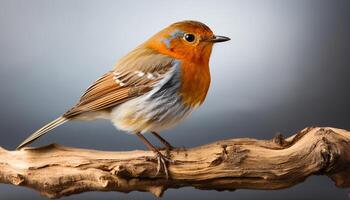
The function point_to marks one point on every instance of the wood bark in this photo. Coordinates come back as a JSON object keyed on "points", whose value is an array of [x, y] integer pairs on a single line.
{"points": [[57, 171]]}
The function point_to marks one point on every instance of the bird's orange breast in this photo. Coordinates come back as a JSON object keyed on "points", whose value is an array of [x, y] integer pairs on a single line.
{"points": [[195, 81], [194, 63]]}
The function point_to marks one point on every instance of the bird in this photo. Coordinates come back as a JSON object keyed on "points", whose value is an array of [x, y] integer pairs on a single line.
{"points": [[152, 88]]}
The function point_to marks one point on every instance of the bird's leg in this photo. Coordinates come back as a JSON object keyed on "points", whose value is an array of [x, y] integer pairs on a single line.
{"points": [[162, 160], [167, 145]]}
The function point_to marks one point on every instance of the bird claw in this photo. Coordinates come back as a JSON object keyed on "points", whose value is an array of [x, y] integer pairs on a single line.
{"points": [[162, 163]]}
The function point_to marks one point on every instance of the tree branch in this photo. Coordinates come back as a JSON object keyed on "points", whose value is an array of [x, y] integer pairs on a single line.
{"points": [[57, 171]]}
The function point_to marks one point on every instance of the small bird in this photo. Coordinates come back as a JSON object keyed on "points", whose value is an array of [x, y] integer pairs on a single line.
{"points": [[152, 88]]}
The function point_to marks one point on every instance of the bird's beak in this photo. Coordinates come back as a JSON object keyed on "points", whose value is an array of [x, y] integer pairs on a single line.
{"points": [[218, 38]]}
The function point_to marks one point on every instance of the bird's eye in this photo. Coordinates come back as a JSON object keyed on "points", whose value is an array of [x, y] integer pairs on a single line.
{"points": [[189, 37]]}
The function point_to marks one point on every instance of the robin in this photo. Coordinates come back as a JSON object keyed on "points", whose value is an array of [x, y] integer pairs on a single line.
{"points": [[152, 88]]}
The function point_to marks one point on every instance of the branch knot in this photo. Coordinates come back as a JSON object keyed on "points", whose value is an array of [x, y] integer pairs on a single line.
{"points": [[16, 179]]}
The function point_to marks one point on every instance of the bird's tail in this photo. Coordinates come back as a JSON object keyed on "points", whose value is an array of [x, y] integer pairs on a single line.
{"points": [[42, 131]]}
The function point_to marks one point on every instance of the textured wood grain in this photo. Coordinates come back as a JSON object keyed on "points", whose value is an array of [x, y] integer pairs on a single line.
{"points": [[57, 171]]}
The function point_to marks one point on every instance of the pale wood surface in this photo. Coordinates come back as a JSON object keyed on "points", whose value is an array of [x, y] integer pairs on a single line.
{"points": [[57, 171]]}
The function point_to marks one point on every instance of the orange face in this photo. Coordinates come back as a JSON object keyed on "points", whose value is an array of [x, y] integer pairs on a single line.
{"points": [[191, 43], [186, 40]]}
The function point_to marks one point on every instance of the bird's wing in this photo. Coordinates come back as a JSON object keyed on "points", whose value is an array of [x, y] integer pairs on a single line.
{"points": [[132, 77]]}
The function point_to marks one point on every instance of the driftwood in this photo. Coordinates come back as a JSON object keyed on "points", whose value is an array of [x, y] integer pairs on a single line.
{"points": [[57, 171]]}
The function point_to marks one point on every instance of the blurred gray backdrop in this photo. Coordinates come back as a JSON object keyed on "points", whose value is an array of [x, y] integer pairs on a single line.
{"points": [[286, 67]]}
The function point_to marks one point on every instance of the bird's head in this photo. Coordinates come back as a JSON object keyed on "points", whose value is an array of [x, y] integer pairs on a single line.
{"points": [[189, 40]]}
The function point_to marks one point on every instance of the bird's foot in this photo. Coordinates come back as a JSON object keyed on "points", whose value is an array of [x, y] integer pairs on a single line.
{"points": [[162, 163]]}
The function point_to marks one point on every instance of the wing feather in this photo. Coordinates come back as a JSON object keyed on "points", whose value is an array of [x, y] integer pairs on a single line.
{"points": [[128, 80]]}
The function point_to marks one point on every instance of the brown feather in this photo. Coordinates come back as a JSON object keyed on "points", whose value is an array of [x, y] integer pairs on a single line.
{"points": [[106, 92]]}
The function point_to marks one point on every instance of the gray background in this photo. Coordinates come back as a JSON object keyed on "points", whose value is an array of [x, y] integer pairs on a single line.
{"points": [[286, 67]]}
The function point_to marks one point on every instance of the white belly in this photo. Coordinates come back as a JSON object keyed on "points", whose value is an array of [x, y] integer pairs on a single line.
{"points": [[159, 109], [146, 113]]}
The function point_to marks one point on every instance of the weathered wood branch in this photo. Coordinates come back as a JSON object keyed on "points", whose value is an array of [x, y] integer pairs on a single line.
{"points": [[57, 171]]}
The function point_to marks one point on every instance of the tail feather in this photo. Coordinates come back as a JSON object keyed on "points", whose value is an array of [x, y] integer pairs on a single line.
{"points": [[42, 131]]}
